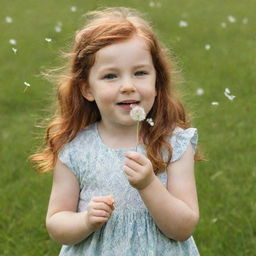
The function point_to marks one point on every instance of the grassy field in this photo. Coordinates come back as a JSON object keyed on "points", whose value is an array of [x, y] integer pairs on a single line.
{"points": [[227, 134]]}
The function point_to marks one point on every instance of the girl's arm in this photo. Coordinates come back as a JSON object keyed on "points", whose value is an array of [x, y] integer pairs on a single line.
{"points": [[175, 208], [63, 223]]}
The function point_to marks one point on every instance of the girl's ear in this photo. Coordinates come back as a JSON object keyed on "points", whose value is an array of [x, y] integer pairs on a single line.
{"points": [[86, 92]]}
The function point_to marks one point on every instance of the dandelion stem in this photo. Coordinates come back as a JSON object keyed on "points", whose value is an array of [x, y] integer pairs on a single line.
{"points": [[138, 131]]}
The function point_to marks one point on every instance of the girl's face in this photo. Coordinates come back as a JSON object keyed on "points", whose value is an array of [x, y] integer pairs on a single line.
{"points": [[122, 72]]}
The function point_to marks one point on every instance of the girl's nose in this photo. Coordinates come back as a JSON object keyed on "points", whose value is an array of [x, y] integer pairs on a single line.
{"points": [[127, 86]]}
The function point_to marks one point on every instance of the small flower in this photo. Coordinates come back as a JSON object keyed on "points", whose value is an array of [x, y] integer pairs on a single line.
{"points": [[214, 220], [223, 24], [13, 41], [227, 94], [58, 27], [14, 50], [48, 40], [231, 19], [138, 113], [27, 85], [245, 20], [8, 19], [183, 24], [215, 103], [207, 47], [151, 4], [200, 91], [73, 9], [150, 121]]}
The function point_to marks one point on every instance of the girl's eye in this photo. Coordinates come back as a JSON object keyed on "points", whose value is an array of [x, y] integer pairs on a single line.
{"points": [[141, 73], [109, 76]]}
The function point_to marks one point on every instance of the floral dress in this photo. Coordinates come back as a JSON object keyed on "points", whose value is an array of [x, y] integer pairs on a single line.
{"points": [[130, 231]]}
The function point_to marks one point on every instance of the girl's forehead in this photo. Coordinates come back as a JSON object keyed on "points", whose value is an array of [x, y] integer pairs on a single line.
{"points": [[134, 49]]}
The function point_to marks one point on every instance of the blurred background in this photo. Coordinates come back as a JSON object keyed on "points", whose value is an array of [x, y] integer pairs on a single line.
{"points": [[214, 45]]}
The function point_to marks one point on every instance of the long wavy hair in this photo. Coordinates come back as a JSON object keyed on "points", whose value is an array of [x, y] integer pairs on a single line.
{"points": [[74, 112]]}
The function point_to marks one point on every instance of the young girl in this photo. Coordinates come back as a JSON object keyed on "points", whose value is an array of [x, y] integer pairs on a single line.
{"points": [[110, 195]]}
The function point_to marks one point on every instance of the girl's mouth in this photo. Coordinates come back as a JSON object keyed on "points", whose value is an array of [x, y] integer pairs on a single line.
{"points": [[128, 106]]}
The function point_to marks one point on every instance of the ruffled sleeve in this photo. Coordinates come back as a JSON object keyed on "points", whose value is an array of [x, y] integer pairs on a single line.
{"points": [[180, 141]]}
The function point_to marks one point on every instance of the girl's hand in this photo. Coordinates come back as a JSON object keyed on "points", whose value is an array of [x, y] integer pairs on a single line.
{"points": [[99, 210], [139, 170]]}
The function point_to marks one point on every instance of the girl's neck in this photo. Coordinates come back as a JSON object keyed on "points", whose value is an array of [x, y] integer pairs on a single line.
{"points": [[117, 136]]}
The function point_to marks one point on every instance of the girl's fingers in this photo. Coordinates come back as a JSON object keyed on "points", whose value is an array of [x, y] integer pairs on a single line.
{"points": [[102, 206], [137, 157], [132, 164], [106, 199], [129, 172], [101, 213]]}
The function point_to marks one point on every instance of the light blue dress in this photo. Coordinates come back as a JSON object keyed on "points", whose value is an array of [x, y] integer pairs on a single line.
{"points": [[130, 231]]}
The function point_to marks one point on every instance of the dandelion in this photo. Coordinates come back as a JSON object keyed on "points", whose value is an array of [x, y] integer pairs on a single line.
{"points": [[183, 24], [138, 114], [73, 9], [223, 24], [200, 91], [13, 41], [58, 27], [245, 20], [48, 40], [227, 94], [214, 220], [8, 19], [152, 4], [27, 85], [231, 19], [14, 50], [207, 47], [150, 121], [215, 103]]}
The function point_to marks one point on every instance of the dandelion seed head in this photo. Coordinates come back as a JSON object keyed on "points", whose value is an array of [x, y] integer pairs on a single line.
{"points": [[227, 94], [231, 19], [151, 4], [57, 29], [207, 47], [183, 24], [150, 121], [13, 41], [200, 91], [227, 90], [8, 19], [223, 24], [214, 220], [245, 20], [137, 113], [73, 9]]}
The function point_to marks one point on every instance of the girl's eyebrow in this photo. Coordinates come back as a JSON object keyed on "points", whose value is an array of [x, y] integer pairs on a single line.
{"points": [[114, 68]]}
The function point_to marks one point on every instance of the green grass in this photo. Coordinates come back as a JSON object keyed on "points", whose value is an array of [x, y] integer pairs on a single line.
{"points": [[226, 182]]}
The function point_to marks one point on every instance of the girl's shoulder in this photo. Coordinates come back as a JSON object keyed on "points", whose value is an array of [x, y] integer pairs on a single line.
{"points": [[81, 141], [180, 139], [83, 136]]}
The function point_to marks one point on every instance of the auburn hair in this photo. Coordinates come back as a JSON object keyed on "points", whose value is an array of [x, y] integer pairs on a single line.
{"points": [[74, 112]]}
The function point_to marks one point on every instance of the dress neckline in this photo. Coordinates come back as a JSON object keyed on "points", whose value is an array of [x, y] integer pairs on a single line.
{"points": [[110, 148]]}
